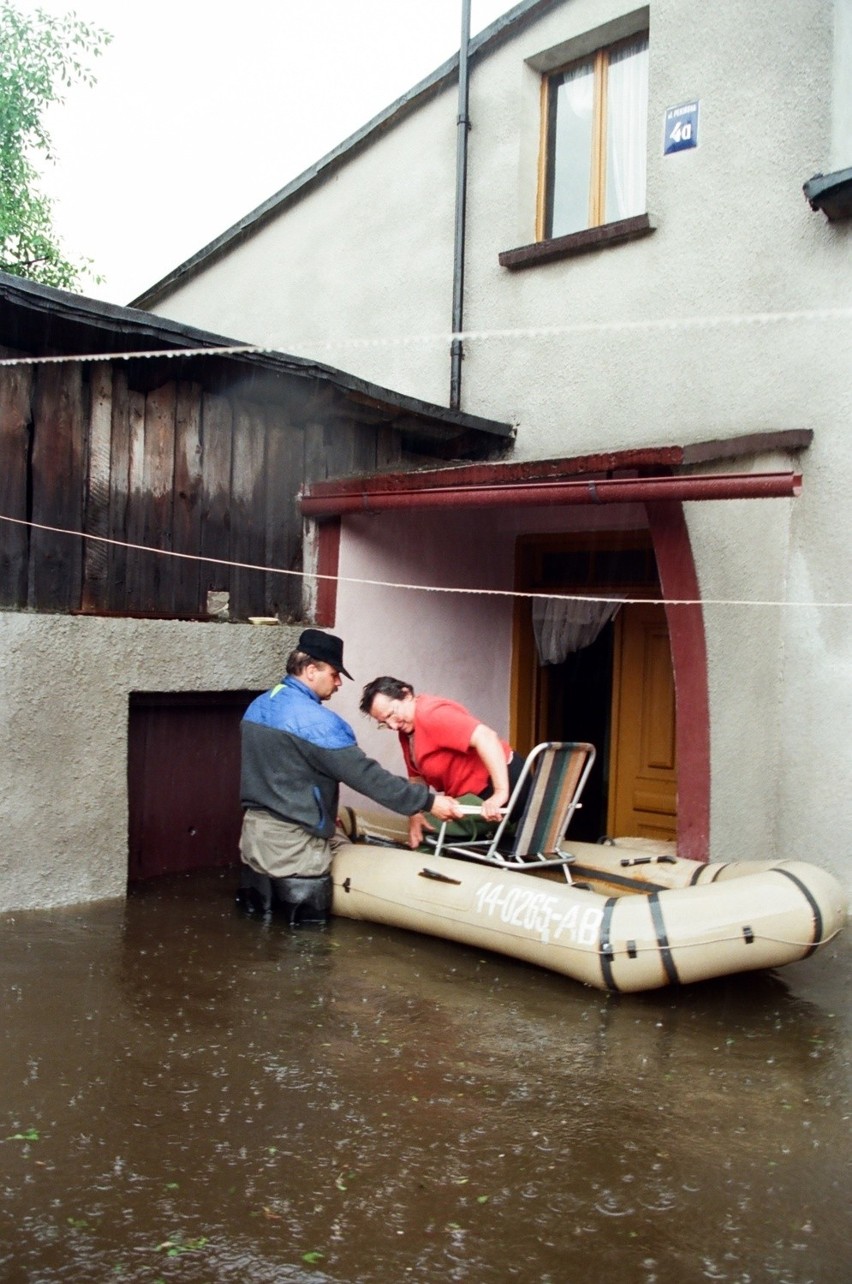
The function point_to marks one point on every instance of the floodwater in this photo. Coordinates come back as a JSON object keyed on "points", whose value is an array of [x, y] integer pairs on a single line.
{"points": [[190, 1095]]}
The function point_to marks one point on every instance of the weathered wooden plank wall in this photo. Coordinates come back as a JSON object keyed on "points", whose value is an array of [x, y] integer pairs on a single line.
{"points": [[60, 401], [186, 512], [152, 460], [96, 518], [15, 401]]}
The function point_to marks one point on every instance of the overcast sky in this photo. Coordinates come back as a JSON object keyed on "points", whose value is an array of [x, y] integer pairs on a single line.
{"points": [[202, 109]]}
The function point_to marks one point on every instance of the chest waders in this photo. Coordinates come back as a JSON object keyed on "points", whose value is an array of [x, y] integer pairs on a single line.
{"points": [[300, 899]]}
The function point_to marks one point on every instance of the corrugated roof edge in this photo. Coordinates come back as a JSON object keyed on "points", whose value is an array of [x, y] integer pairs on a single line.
{"points": [[481, 45]]}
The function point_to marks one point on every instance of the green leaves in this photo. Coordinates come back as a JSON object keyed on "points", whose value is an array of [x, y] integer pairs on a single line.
{"points": [[177, 1244], [40, 55], [31, 1134]]}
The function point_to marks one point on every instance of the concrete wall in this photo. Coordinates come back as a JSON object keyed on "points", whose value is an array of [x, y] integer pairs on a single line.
{"points": [[64, 692], [666, 334], [841, 133], [733, 317]]}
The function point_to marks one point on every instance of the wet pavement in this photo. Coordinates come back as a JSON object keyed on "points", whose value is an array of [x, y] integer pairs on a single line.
{"points": [[189, 1095]]}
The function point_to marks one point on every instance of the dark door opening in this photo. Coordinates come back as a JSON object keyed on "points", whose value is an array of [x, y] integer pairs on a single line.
{"points": [[577, 707], [184, 781]]}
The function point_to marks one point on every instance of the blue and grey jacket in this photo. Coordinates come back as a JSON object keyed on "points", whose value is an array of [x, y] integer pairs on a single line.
{"points": [[296, 753]]}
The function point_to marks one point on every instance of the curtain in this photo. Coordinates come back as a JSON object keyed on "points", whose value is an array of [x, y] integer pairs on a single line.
{"points": [[627, 130], [566, 624]]}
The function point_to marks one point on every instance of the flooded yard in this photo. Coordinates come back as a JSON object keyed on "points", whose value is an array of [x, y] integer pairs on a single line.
{"points": [[193, 1096]]}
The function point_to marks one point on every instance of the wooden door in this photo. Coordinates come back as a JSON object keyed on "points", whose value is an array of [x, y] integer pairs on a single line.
{"points": [[184, 781], [643, 762]]}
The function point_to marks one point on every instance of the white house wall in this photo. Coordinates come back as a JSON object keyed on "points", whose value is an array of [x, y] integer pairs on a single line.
{"points": [[732, 317], [841, 128], [65, 684], [658, 335], [373, 263]]}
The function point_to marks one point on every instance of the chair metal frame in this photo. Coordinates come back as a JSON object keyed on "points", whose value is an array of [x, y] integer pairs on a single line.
{"points": [[559, 771]]}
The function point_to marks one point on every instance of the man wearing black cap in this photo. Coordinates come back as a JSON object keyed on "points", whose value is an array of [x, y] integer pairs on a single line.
{"points": [[295, 755]]}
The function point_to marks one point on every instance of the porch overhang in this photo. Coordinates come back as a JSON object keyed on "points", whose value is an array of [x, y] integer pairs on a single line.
{"points": [[649, 475], [662, 478], [592, 490]]}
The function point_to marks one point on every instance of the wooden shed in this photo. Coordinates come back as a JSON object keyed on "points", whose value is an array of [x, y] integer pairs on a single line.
{"points": [[147, 437]]}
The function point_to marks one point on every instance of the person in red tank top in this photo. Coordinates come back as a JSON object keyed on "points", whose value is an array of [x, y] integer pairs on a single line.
{"points": [[445, 746]]}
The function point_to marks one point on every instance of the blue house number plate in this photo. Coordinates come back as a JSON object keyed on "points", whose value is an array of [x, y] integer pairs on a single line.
{"points": [[681, 128]]}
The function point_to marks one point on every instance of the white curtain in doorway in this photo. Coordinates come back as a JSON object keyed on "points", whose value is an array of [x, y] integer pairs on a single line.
{"points": [[566, 624]]}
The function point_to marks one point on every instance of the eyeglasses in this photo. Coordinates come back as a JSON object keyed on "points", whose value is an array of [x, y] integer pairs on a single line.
{"points": [[383, 723]]}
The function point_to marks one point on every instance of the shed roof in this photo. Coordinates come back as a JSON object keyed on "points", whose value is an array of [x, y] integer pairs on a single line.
{"points": [[41, 321]]}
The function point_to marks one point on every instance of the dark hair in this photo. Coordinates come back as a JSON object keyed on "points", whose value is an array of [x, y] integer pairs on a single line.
{"points": [[393, 688], [298, 661]]}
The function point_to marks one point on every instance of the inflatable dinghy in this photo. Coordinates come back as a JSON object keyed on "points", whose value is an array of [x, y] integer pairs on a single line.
{"points": [[631, 918]]}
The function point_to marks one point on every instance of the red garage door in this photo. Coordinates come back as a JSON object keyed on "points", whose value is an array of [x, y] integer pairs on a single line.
{"points": [[184, 780]]}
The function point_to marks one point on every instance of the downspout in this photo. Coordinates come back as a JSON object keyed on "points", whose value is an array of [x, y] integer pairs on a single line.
{"points": [[463, 124]]}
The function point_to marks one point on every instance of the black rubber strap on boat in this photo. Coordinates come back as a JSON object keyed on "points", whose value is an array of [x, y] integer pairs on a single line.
{"points": [[615, 880], [662, 937], [698, 872], [605, 949], [818, 923]]}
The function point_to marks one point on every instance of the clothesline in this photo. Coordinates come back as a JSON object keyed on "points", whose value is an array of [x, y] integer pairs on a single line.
{"points": [[617, 598], [665, 324]]}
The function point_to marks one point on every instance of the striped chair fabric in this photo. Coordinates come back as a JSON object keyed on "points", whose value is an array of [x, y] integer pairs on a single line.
{"points": [[559, 771]]}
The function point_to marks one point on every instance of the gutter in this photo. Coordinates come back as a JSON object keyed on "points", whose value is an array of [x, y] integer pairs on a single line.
{"points": [[628, 490], [831, 193]]}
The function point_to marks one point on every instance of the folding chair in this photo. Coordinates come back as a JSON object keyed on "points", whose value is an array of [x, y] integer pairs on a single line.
{"points": [[559, 771]]}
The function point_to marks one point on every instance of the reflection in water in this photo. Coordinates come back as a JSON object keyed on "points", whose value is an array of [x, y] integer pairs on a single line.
{"points": [[190, 1095]]}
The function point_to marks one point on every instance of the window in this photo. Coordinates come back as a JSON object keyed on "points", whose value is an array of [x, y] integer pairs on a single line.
{"points": [[596, 125]]}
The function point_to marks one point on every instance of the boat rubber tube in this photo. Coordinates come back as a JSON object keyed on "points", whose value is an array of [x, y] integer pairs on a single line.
{"points": [[745, 916]]}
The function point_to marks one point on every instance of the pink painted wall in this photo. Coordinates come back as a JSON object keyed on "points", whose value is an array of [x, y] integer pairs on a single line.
{"points": [[453, 644]]}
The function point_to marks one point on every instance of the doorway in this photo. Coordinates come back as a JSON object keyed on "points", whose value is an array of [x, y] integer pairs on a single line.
{"points": [[184, 781], [617, 692]]}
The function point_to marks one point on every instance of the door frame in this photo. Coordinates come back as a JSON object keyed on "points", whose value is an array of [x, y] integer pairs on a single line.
{"points": [[672, 552]]}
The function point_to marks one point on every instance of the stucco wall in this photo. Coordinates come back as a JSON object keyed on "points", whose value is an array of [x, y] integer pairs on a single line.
{"points": [[733, 317], [659, 335], [64, 688], [841, 132]]}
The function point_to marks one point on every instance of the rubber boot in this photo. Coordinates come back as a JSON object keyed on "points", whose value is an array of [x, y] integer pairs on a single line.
{"points": [[304, 900], [254, 894]]}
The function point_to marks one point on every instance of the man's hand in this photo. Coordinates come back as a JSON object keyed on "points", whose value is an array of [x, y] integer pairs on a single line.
{"points": [[417, 825], [446, 808]]}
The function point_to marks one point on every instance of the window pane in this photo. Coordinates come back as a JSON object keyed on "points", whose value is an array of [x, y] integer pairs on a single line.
{"points": [[626, 130], [572, 113]]}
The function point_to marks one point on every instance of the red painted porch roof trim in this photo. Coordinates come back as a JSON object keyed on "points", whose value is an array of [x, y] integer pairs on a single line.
{"points": [[660, 459]]}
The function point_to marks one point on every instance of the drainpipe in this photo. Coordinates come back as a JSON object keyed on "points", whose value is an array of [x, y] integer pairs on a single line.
{"points": [[461, 199]]}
